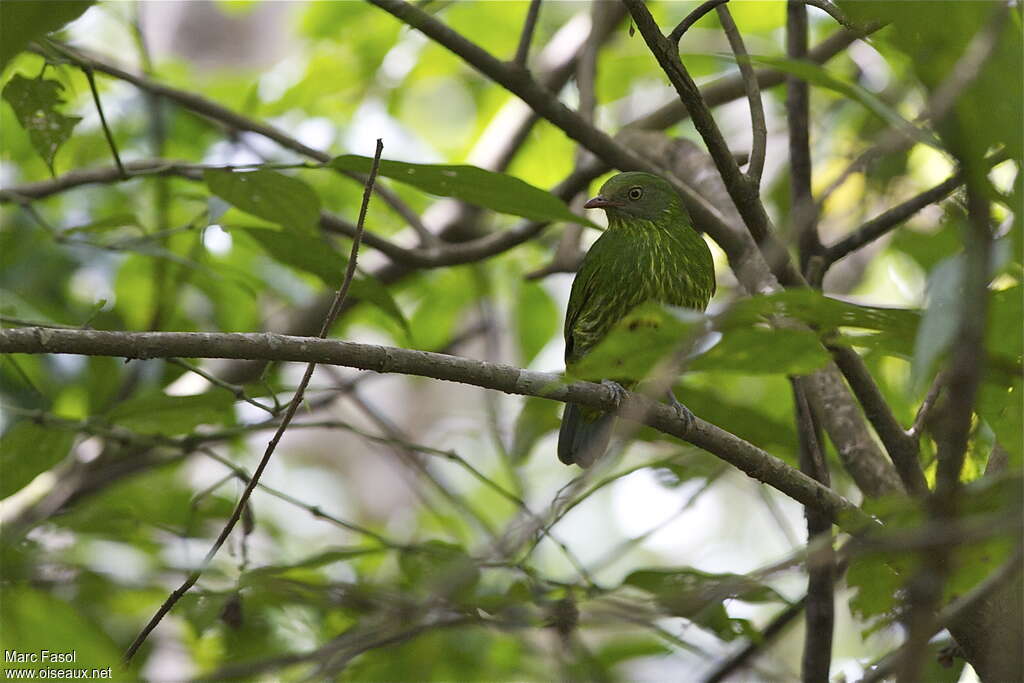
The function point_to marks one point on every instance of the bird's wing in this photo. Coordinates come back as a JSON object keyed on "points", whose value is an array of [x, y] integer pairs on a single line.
{"points": [[600, 296]]}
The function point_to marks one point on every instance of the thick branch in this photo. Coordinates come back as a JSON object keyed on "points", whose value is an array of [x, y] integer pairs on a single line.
{"points": [[144, 345], [901, 446]]}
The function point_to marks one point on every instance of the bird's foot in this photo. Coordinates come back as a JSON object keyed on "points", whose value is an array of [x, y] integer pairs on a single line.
{"points": [[682, 412], [619, 392]]}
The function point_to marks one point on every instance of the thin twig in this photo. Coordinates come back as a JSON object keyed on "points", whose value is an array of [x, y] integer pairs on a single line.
{"points": [[235, 390], [103, 120], [695, 16], [874, 228], [293, 406], [526, 37], [769, 633], [893, 217], [692, 18], [759, 129], [821, 569], [924, 411], [804, 211]]}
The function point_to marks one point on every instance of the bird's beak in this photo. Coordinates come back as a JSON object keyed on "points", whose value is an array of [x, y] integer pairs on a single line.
{"points": [[600, 202]]}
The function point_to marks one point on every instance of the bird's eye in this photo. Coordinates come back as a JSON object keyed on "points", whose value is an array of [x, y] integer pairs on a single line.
{"points": [[635, 193]]}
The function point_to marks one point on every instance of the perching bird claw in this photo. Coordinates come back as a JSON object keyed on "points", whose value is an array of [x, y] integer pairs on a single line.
{"points": [[682, 412], [619, 392]]}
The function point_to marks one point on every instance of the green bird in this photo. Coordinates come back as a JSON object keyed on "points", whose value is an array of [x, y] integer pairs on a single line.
{"points": [[650, 251]]}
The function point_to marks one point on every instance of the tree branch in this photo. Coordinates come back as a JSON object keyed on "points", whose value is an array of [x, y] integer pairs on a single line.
{"points": [[821, 566], [262, 346], [901, 446], [759, 129], [523, 51], [889, 219]]}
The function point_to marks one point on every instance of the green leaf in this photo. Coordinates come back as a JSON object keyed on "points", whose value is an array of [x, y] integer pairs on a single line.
{"points": [[118, 220], [891, 330], [496, 191], [1002, 408], [28, 449], [538, 417], [631, 647], [371, 290], [764, 350], [700, 596], [23, 22], [536, 320], [35, 102], [35, 620], [940, 321], [818, 75], [169, 415], [439, 568], [935, 35], [270, 195], [309, 253], [315, 255], [316, 561], [647, 335]]}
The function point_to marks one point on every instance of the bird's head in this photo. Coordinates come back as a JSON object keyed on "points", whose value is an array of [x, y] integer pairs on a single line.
{"points": [[636, 195]]}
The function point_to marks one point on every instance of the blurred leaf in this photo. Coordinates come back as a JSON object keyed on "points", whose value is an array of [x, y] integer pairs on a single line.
{"points": [[445, 296], [1002, 408], [496, 191], [700, 596], [315, 255], [23, 22], [536, 320], [270, 195], [688, 464], [439, 568], [537, 418], [767, 350], [1005, 313], [35, 102], [170, 415], [940, 321], [35, 621], [823, 312], [646, 336], [935, 35], [202, 610], [316, 561], [26, 450], [818, 75], [307, 252], [369, 289], [120, 220], [626, 648]]}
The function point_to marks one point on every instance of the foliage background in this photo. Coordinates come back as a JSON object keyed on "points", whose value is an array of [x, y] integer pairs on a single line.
{"points": [[104, 512]]}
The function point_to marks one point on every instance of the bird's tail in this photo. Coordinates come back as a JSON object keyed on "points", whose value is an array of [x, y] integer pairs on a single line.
{"points": [[584, 435]]}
